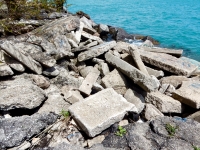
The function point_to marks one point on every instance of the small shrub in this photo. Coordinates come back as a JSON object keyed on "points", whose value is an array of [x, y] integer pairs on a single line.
{"points": [[65, 113], [171, 129], [121, 131], [196, 148]]}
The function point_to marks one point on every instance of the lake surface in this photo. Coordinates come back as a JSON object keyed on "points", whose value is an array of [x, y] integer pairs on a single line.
{"points": [[175, 24]]}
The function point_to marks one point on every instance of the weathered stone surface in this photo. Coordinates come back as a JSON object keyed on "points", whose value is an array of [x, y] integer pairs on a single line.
{"points": [[151, 112], [138, 61], [17, 129], [92, 37], [95, 140], [115, 80], [103, 28], [97, 60], [176, 81], [156, 73], [122, 47], [163, 88], [145, 82], [85, 71], [104, 69], [147, 43], [5, 70], [41, 81], [20, 93], [196, 63], [195, 116], [73, 96], [135, 98], [172, 52], [94, 43], [188, 93], [55, 103], [10, 48], [104, 102], [51, 72], [86, 21], [97, 87], [96, 51], [164, 103], [86, 86], [168, 63]]}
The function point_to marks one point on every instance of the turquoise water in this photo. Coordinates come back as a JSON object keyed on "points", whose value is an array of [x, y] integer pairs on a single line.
{"points": [[174, 23]]}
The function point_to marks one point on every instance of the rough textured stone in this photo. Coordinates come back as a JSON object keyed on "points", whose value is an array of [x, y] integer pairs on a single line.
{"points": [[86, 86], [5, 70], [168, 63], [55, 103], [96, 51], [95, 140], [20, 93], [51, 72], [176, 81], [72, 96], [195, 116], [10, 48], [188, 93], [92, 37], [156, 73], [85, 71], [151, 112], [145, 82], [163, 88], [104, 69], [104, 102], [115, 80], [164, 103], [17, 129], [138, 61], [122, 47], [41, 81], [136, 99]]}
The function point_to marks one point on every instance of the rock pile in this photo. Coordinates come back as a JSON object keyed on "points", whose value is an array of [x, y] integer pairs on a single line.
{"points": [[73, 64]]}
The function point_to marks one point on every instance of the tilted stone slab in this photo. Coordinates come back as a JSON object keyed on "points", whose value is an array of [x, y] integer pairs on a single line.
{"points": [[99, 111], [168, 63], [10, 48], [139, 78], [189, 93], [92, 37], [164, 103], [96, 51]]}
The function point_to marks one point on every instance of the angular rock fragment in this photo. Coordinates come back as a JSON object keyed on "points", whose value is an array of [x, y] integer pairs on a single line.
{"points": [[51, 72], [86, 86], [156, 73], [85, 71], [115, 80], [135, 98], [14, 51], [104, 69], [164, 103], [5, 70], [151, 112], [92, 37], [41, 81], [99, 111], [17, 129], [139, 78], [188, 93], [72, 96], [96, 51], [195, 116], [168, 63], [20, 93]]}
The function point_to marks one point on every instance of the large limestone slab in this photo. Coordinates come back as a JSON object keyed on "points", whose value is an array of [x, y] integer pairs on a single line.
{"points": [[139, 78], [10, 48], [96, 51], [115, 80], [168, 63], [99, 111], [86, 86], [164, 103], [20, 93], [189, 93]]}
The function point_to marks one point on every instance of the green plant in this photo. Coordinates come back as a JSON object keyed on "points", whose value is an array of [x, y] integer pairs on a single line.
{"points": [[65, 113], [171, 129], [196, 148], [121, 131]]}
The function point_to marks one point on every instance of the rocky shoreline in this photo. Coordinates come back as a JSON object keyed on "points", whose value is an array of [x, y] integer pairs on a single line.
{"points": [[119, 95]]}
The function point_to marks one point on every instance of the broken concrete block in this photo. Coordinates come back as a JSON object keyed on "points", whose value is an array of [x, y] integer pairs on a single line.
{"points": [[164, 103], [156, 73], [92, 37], [122, 47], [163, 88], [5, 70], [188, 93], [94, 43], [138, 61], [86, 86], [135, 98], [145, 82], [104, 69], [195, 116], [98, 61], [99, 111], [10, 48], [96, 140], [78, 32], [115, 80], [73, 96], [151, 112], [168, 63], [96, 51], [85, 71]]}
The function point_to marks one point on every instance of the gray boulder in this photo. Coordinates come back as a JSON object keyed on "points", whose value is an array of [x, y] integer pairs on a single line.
{"points": [[14, 131]]}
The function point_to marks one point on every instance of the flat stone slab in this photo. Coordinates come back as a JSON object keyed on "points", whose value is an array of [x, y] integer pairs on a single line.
{"points": [[99, 111], [20, 93], [168, 63], [10, 48], [145, 82], [164, 103], [96, 51], [188, 93]]}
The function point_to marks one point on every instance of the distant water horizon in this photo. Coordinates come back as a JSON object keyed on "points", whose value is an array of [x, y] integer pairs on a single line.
{"points": [[175, 24]]}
